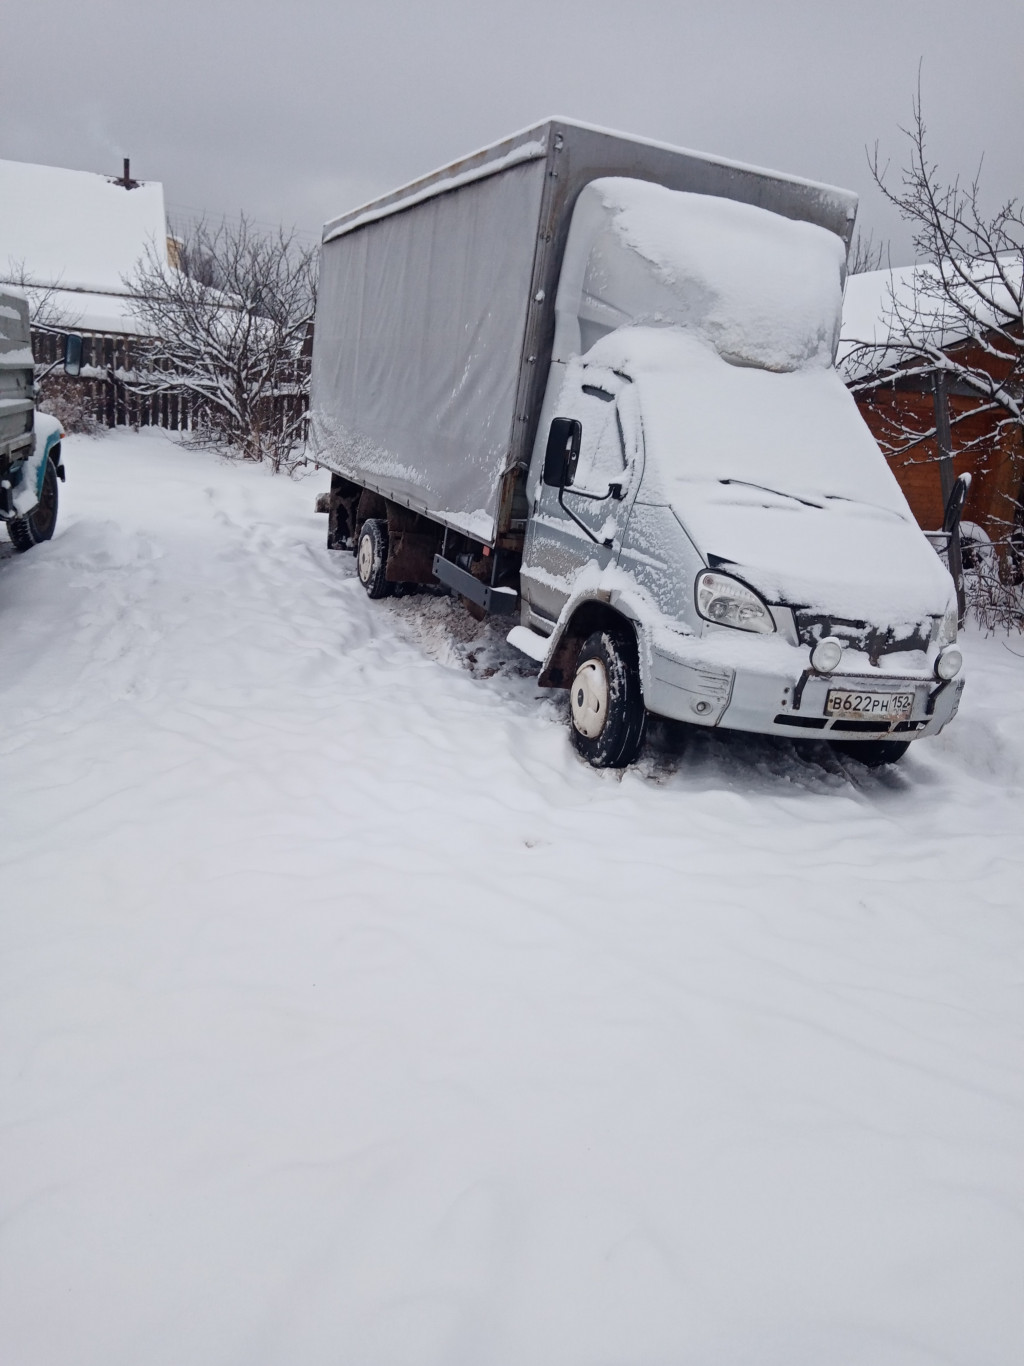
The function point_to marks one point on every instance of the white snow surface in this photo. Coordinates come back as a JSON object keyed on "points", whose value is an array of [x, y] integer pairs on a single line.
{"points": [[74, 229], [882, 306], [778, 474], [84, 311], [347, 1017], [765, 290]]}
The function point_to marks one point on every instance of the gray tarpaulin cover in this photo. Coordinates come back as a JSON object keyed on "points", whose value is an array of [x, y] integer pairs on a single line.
{"points": [[419, 334]]}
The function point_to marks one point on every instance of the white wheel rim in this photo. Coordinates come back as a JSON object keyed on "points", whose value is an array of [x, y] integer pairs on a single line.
{"points": [[589, 698], [364, 563]]}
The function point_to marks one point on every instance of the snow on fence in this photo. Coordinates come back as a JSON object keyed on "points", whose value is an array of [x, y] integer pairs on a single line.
{"points": [[100, 390]]}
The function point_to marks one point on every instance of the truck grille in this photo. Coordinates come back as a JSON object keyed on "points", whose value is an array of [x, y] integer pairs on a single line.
{"points": [[860, 635], [865, 727]]}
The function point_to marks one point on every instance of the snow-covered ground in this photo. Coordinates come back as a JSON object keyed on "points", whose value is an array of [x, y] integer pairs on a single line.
{"points": [[346, 1017]]}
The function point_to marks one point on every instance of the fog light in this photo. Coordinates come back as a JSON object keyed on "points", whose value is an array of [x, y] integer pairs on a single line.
{"points": [[826, 655], [949, 663]]}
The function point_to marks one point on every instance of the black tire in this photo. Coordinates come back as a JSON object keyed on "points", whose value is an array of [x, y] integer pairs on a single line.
{"points": [[606, 705], [872, 753], [41, 522], [372, 558]]}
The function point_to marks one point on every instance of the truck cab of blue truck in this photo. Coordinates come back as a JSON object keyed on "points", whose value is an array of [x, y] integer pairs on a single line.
{"points": [[31, 452]]}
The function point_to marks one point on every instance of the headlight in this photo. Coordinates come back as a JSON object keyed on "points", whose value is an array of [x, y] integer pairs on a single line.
{"points": [[949, 663], [948, 628], [826, 655], [723, 600]]}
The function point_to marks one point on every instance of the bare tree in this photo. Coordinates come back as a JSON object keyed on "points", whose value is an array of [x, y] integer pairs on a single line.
{"points": [[67, 399], [865, 254], [227, 329], [43, 309], [963, 311], [957, 320]]}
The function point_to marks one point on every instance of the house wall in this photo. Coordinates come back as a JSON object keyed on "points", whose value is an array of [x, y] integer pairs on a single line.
{"points": [[994, 458]]}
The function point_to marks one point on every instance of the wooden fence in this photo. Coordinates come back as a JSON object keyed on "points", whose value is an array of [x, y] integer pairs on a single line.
{"points": [[112, 403]]}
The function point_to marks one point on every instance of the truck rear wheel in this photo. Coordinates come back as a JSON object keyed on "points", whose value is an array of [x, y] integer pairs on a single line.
{"points": [[372, 557], [41, 522], [606, 705]]}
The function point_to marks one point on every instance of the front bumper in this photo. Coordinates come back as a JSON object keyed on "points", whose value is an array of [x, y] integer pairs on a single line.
{"points": [[767, 686]]}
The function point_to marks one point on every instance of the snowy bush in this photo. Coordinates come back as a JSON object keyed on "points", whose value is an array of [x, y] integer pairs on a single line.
{"points": [[996, 604], [994, 579], [229, 323], [70, 401]]}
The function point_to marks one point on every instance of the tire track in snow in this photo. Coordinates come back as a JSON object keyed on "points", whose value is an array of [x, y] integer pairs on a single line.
{"points": [[329, 961]]}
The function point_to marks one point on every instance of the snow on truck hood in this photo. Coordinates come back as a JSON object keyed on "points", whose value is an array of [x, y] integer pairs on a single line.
{"points": [[778, 475], [845, 559]]}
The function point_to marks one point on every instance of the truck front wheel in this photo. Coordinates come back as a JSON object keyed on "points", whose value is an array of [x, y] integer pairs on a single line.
{"points": [[39, 524], [372, 558], [606, 705]]}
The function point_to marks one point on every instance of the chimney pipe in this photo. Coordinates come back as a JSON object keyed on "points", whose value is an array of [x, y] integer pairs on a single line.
{"points": [[125, 181]]}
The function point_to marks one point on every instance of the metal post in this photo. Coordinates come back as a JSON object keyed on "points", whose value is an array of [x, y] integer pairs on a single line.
{"points": [[944, 439]]}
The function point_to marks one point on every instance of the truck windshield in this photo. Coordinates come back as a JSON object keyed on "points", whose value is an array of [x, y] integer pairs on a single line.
{"points": [[728, 433]]}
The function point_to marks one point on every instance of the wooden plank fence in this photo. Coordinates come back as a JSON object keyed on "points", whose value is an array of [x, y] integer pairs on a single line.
{"points": [[113, 404]]}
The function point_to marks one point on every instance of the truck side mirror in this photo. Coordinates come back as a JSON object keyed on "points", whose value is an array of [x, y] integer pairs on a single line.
{"points": [[563, 451], [73, 354], [955, 503]]}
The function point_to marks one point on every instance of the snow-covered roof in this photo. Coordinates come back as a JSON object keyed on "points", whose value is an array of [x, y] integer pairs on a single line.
{"points": [[74, 229], [83, 311], [880, 304]]}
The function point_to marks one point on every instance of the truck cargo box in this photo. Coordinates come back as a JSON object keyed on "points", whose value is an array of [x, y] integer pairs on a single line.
{"points": [[435, 316]]}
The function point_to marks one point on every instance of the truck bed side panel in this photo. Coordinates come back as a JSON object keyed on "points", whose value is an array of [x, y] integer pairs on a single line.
{"points": [[436, 319], [16, 401], [420, 328]]}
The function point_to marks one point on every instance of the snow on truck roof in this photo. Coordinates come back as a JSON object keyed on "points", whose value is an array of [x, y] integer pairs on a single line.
{"points": [[763, 289], [530, 144]]}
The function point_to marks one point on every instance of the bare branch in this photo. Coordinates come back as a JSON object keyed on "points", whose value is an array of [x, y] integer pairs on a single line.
{"points": [[227, 327], [963, 309], [960, 312]]}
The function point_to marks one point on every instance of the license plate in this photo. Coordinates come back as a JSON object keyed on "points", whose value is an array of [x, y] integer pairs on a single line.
{"points": [[869, 706]]}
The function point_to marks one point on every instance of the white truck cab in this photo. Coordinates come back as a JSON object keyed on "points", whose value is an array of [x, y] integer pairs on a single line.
{"points": [[702, 471], [588, 381]]}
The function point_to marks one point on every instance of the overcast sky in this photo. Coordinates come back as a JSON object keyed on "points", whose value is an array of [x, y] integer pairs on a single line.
{"points": [[297, 111]]}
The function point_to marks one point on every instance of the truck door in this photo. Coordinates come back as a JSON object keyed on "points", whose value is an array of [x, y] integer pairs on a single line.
{"points": [[583, 522]]}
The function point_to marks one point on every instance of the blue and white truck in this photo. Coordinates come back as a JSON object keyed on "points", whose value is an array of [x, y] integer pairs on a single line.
{"points": [[31, 454]]}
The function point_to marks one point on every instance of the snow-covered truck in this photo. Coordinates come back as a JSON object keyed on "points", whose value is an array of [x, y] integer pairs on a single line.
{"points": [[588, 381], [31, 461]]}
